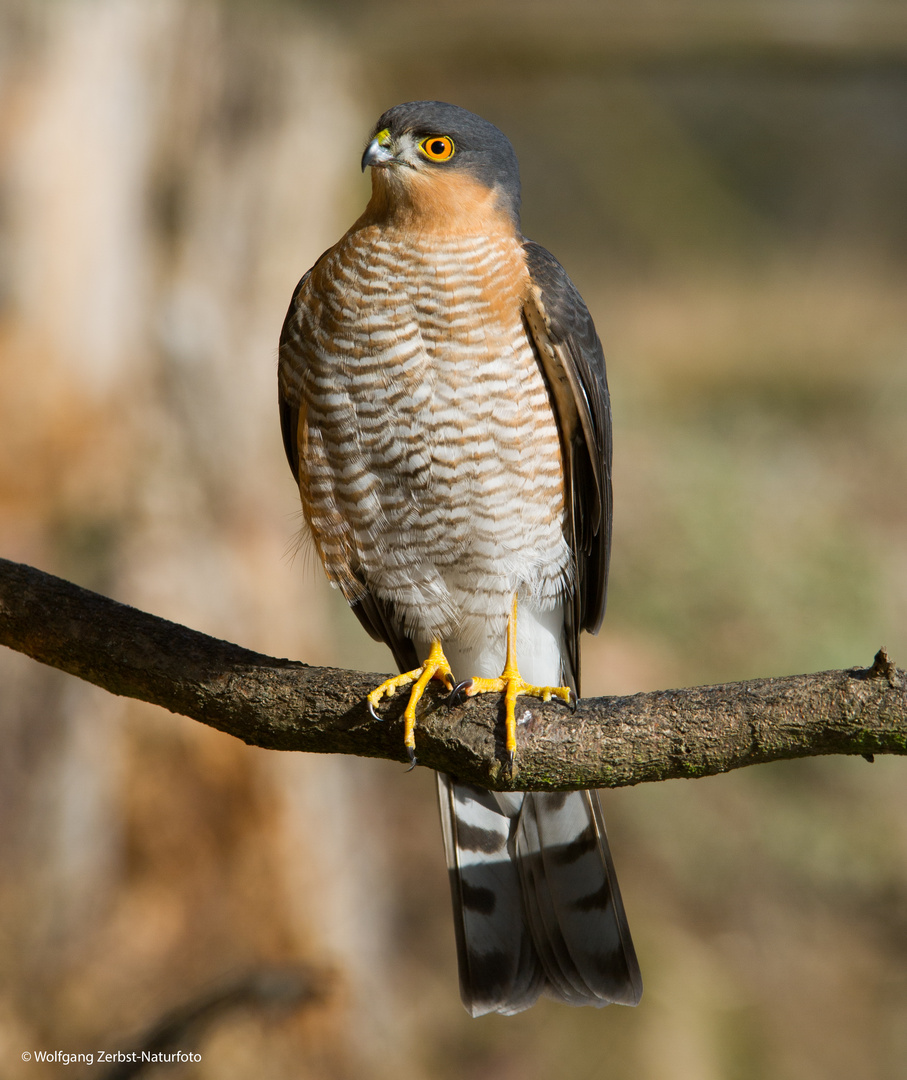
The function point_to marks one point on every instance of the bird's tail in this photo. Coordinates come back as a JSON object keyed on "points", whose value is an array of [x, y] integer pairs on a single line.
{"points": [[537, 907]]}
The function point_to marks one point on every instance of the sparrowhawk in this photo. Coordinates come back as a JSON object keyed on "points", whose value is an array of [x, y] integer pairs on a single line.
{"points": [[445, 412]]}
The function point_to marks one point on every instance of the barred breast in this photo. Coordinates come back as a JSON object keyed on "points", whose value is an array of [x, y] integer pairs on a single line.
{"points": [[430, 464]]}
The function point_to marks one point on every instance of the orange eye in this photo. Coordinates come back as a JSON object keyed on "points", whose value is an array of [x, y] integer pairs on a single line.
{"points": [[437, 147]]}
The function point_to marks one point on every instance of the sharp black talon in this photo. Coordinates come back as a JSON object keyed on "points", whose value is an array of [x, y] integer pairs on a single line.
{"points": [[412, 758], [452, 698], [371, 709]]}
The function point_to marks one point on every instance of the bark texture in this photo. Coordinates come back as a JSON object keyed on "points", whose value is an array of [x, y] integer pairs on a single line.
{"points": [[606, 742]]}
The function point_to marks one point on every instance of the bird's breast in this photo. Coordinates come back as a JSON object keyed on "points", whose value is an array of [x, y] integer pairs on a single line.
{"points": [[435, 433]]}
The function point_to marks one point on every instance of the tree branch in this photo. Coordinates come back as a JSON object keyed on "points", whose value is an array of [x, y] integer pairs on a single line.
{"points": [[606, 742]]}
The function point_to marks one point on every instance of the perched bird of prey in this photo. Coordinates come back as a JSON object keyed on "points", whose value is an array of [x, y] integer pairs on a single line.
{"points": [[446, 415]]}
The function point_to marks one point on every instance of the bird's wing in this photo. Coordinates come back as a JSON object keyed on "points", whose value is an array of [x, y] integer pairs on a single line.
{"points": [[288, 387], [570, 893], [377, 617], [573, 362]]}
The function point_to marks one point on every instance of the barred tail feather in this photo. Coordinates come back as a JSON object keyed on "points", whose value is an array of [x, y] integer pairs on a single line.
{"points": [[572, 900], [499, 966], [537, 907]]}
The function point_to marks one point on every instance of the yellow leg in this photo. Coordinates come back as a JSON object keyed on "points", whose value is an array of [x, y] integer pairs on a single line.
{"points": [[434, 667], [512, 684]]}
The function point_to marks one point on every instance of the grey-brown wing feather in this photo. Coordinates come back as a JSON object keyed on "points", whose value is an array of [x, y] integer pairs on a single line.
{"points": [[288, 404], [573, 361], [570, 893]]}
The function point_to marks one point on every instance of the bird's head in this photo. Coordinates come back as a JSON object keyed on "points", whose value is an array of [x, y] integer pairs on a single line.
{"points": [[439, 163]]}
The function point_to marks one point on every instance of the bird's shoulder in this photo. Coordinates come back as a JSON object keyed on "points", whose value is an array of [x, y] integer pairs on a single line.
{"points": [[565, 311]]}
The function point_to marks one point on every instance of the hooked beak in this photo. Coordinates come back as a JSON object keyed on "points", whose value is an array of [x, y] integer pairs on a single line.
{"points": [[377, 156]]}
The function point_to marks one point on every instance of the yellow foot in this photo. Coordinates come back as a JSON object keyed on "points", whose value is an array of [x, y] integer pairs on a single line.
{"points": [[512, 684], [435, 666]]}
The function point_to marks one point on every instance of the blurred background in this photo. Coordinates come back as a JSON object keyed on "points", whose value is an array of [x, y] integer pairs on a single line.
{"points": [[725, 181]]}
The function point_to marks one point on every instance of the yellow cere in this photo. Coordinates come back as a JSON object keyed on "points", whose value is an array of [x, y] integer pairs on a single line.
{"points": [[383, 137], [437, 147]]}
